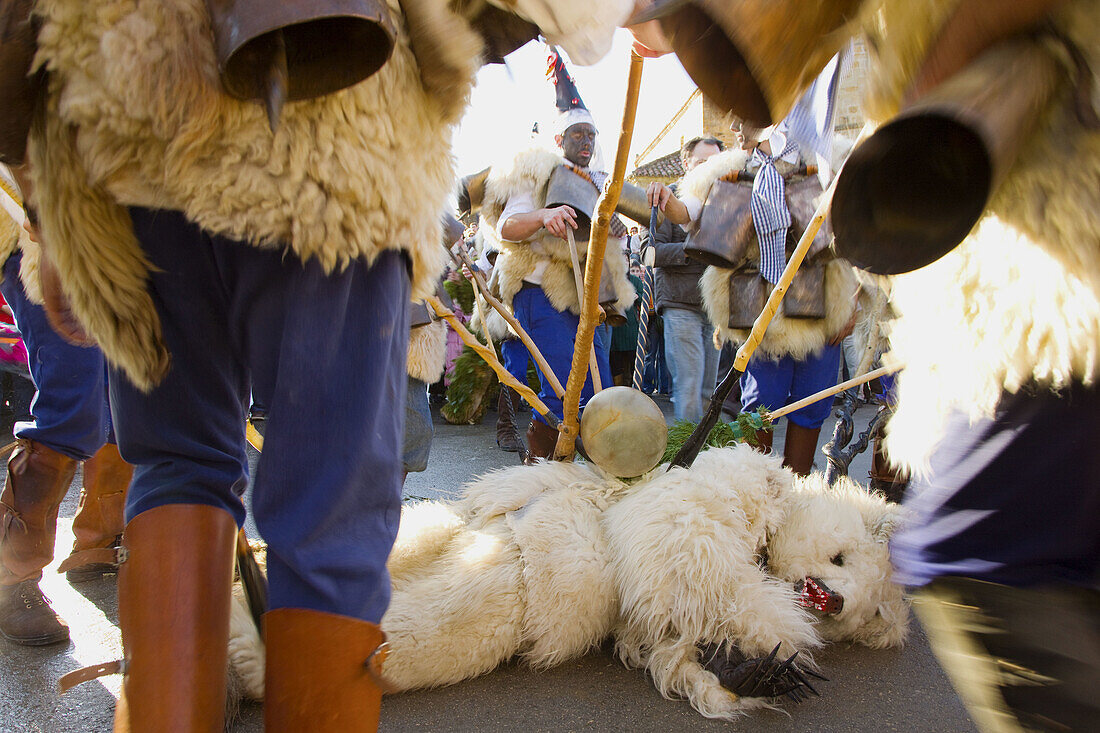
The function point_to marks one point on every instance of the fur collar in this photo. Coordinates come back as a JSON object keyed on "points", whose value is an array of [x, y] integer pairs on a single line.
{"points": [[697, 183]]}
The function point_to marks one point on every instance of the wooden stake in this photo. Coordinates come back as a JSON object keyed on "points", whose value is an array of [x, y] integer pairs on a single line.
{"points": [[605, 209], [593, 365], [836, 389], [490, 358], [526, 339]]}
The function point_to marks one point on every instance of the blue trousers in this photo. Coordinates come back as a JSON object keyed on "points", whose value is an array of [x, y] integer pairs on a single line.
{"points": [[326, 356], [775, 384], [69, 410], [554, 333], [417, 443], [515, 358]]}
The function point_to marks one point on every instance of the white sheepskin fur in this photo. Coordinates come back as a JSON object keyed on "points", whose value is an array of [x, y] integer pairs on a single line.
{"points": [[544, 562], [1018, 301], [796, 337], [427, 353], [343, 177]]}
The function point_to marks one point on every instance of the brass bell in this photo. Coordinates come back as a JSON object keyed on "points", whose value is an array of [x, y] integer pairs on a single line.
{"points": [[292, 50], [753, 58], [911, 192]]}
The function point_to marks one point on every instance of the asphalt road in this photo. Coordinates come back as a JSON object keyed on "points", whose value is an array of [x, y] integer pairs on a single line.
{"points": [[902, 690]]}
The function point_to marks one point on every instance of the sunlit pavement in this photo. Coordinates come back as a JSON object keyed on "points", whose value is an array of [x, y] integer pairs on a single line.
{"points": [[902, 690]]}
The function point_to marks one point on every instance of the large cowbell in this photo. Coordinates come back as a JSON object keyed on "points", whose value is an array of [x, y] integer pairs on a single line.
{"points": [[570, 188], [912, 192], [753, 57], [305, 49]]}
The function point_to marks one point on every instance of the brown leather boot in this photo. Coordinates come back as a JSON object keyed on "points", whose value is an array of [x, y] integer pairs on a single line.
{"points": [[38, 478], [541, 440], [174, 591], [98, 522], [323, 672], [507, 434], [764, 440], [886, 479], [799, 448]]}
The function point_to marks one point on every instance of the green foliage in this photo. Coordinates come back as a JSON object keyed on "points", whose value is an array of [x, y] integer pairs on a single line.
{"points": [[742, 430], [471, 391], [462, 293]]}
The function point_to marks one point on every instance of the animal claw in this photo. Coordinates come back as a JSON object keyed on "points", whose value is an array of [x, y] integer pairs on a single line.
{"points": [[760, 677]]}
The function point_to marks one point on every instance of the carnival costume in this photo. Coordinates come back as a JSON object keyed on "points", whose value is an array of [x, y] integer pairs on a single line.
{"points": [[550, 309], [997, 405], [795, 358], [207, 254]]}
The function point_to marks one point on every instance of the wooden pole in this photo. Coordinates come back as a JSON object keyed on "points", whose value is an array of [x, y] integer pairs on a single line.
{"points": [[586, 330], [593, 365], [836, 389], [490, 358], [555, 384], [691, 447]]}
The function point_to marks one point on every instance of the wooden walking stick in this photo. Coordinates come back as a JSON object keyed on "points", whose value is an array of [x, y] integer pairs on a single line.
{"points": [[555, 384], [597, 243], [835, 389], [695, 442], [490, 358], [593, 365], [644, 311]]}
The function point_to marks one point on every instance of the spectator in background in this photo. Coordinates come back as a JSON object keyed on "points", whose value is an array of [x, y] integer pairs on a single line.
{"points": [[689, 345]]}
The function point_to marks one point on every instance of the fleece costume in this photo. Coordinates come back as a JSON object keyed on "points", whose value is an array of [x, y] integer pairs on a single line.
{"points": [[996, 415], [1016, 319], [794, 359], [207, 254], [549, 311]]}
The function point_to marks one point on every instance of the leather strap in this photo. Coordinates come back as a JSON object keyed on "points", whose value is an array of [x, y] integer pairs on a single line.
{"points": [[87, 674], [96, 555]]}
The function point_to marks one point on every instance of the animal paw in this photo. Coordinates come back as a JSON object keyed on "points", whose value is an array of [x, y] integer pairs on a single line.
{"points": [[759, 677]]}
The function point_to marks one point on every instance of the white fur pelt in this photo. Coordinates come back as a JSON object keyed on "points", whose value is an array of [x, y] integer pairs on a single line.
{"points": [[427, 353], [796, 337], [544, 562], [136, 116], [1018, 301]]}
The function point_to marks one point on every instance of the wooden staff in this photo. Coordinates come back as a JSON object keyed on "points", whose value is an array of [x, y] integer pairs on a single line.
{"points": [[836, 389], [597, 243], [689, 451], [490, 358], [593, 365], [555, 385]]}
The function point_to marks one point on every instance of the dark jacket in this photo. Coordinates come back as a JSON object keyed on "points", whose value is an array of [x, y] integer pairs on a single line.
{"points": [[676, 277]]}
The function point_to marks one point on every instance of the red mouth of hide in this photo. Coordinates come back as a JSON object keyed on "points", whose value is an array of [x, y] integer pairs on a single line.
{"points": [[816, 596]]}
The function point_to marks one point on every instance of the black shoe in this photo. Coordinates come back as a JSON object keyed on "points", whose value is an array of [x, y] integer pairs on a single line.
{"points": [[26, 617]]}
